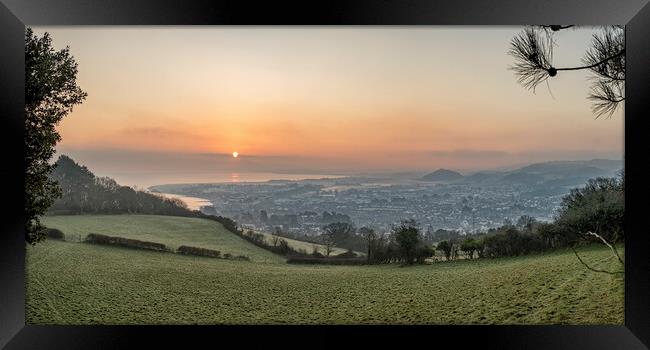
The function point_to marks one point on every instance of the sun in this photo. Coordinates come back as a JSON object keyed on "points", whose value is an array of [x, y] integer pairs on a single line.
{"points": [[235, 154]]}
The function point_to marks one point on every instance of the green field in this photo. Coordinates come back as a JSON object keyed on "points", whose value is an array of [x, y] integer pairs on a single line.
{"points": [[80, 283], [308, 247], [171, 231]]}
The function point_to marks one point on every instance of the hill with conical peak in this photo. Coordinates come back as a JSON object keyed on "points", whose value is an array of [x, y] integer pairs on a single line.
{"points": [[442, 175]]}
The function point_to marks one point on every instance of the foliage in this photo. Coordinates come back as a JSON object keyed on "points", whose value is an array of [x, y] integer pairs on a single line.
{"points": [[343, 235], [407, 237], [84, 193], [198, 251], [532, 50], [470, 246], [597, 207], [511, 242], [54, 233], [51, 92], [445, 247], [124, 242]]}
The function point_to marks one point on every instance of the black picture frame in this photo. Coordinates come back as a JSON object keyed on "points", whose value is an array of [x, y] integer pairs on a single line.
{"points": [[15, 14]]}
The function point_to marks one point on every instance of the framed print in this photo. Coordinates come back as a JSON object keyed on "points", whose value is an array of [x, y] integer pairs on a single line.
{"points": [[359, 172]]}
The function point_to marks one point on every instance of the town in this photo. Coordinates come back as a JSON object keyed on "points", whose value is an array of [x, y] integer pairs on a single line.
{"points": [[306, 206]]}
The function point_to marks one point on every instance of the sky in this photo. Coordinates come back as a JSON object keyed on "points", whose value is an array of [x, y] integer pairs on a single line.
{"points": [[322, 100]]}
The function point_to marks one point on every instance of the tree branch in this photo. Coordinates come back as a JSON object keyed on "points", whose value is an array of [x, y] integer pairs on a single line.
{"points": [[591, 268], [589, 233], [557, 27], [620, 53]]}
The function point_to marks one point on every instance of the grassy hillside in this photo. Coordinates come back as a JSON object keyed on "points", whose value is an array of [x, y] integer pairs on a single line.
{"points": [[171, 231], [79, 283], [308, 247]]}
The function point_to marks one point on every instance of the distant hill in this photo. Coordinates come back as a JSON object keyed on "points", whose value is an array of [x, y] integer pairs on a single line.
{"points": [[84, 193], [483, 177], [523, 178], [551, 174], [594, 167], [442, 175]]}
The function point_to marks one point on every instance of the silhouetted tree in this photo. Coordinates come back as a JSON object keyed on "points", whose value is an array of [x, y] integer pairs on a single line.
{"points": [[469, 246], [369, 235], [445, 247], [343, 234], [526, 222], [532, 50], [51, 91], [407, 237]]}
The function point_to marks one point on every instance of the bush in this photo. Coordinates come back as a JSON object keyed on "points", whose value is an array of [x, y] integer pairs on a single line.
{"points": [[599, 207], [54, 233], [198, 251], [125, 242], [242, 258], [422, 252]]}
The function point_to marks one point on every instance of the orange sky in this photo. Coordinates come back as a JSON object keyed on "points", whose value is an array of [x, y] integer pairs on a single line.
{"points": [[370, 98]]}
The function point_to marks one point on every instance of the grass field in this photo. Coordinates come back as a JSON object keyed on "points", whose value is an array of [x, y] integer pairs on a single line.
{"points": [[80, 283], [171, 231], [308, 247]]}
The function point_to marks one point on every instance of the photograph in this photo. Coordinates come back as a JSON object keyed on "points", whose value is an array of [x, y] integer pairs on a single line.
{"points": [[325, 175]]}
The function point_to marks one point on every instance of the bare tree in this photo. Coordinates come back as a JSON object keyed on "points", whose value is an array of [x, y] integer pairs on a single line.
{"points": [[533, 48], [275, 239], [328, 243], [369, 236]]}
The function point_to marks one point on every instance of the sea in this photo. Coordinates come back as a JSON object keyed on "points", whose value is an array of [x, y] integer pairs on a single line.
{"points": [[144, 180]]}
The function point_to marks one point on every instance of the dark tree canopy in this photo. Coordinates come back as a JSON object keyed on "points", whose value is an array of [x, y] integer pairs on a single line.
{"points": [[597, 207], [51, 91], [533, 48], [84, 193], [407, 237]]}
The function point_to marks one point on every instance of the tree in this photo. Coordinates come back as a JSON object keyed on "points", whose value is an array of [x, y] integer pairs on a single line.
{"points": [[469, 246], [51, 91], [275, 239], [526, 223], [429, 236], [598, 207], [532, 50], [407, 237], [445, 247], [369, 236], [341, 234], [328, 243], [595, 213]]}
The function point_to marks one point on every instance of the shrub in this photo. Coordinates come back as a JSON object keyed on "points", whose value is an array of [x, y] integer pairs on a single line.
{"points": [[54, 233], [124, 242], [422, 252], [198, 251], [227, 256]]}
